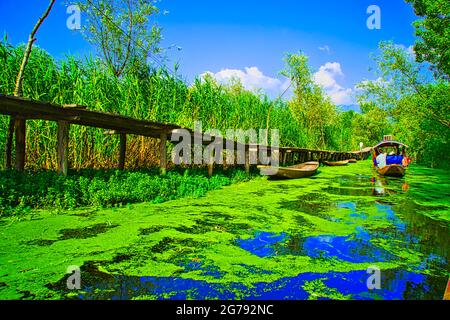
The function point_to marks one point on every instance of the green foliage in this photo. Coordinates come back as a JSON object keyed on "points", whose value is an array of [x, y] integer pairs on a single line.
{"points": [[371, 125], [122, 32], [154, 95], [422, 120], [20, 192], [405, 102], [310, 106], [433, 30]]}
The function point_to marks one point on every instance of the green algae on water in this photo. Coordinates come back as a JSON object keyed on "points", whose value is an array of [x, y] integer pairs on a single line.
{"points": [[198, 240]]}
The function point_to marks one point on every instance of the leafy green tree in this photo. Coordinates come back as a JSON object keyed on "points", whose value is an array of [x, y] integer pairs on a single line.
{"points": [[416, 105], [122, 32], [398, 74], [433, 30], [344, 132], [310, 106], [370, 126]]}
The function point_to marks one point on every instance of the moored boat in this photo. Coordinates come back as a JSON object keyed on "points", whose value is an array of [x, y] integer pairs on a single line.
{"points": [[336, 163], [302, 170], [393, 170], [352, 161], [393, 163]]}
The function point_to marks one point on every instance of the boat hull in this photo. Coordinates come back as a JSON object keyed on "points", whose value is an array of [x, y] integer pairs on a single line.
{"points": [[393, 170], [336, 163], [303, 170]]}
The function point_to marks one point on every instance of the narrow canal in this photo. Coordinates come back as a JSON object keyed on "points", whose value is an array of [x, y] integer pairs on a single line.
{"points": [[311, 238]]}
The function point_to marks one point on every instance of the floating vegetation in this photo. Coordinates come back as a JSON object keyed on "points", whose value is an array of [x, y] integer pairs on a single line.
{"points": [[298, 243]]}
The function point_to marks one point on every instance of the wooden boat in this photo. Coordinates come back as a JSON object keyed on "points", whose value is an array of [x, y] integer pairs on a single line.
{"points": [[447, 291], [336, 163], [303, 170], [393, 170], [352, 161]]}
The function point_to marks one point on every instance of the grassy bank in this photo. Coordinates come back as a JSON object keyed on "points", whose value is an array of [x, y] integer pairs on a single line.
{"points": [[21, 192]]}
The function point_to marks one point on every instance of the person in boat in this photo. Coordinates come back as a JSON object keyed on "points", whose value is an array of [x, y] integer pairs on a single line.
{"points": [[406, 160], [376, 152], [381, 159], [393, 158]]}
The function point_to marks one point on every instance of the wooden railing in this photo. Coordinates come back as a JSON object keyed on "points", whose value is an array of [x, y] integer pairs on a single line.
{"points": [[21, 109]]}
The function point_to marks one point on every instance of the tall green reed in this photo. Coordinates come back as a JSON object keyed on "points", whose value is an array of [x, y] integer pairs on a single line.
{"points": [[151, 95]]}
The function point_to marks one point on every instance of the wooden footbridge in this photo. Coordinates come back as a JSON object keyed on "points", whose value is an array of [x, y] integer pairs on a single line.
{"points": [[20, 110]]}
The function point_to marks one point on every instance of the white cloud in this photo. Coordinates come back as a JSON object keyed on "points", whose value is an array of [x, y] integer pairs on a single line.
{"points": [[252, 79], [411, 51], [326, 77], [325, 48]]}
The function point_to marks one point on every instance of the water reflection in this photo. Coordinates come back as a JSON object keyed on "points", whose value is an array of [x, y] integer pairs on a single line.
{"points": [[382, 186], [395, 284], [405, 227], [389, 226], [355, 248]]}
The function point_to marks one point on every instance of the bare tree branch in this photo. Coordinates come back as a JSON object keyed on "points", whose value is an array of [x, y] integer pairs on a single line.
{"points": [[27, 53]]}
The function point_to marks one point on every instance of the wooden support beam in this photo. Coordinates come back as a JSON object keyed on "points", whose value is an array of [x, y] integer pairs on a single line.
{"points": [[9, 143], [163, 153], [210, 169], [63, 147], [211, 164], [20, 144], [247, 160], [80, 115], [74, 107], [123, 151]]}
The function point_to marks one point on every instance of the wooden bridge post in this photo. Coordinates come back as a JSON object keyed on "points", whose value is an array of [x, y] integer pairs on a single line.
{"points": [[163, 153], [247, 159], [20, 127], [123, 151], [211, 163], [63, 147], [9, 142]]}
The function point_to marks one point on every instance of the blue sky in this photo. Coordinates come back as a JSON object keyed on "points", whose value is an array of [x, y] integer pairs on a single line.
{"points": [[246, 38]]}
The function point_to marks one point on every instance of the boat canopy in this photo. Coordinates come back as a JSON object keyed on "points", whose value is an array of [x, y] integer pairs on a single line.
{"points": [[390, 143]]}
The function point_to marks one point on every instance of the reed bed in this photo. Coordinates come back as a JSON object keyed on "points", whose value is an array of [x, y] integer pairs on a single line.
{"points": [[148, 94]]}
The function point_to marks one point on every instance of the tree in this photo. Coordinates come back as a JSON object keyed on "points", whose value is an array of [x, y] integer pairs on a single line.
{"points": [[434, 33], [122, 32], [309, 106], [18, 85], [416, 105], [370, 126]]}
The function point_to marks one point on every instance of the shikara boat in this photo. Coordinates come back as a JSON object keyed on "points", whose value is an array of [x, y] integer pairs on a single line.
{"points": [[394, 167], [303, 170], [393, 170], [336, 163], [352, 161]]}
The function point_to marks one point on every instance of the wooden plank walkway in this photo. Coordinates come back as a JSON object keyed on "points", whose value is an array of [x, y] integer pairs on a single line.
{"points": [[21, 109]]}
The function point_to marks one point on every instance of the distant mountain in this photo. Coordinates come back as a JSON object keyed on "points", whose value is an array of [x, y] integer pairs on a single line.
{"points": [[353, 107]]}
